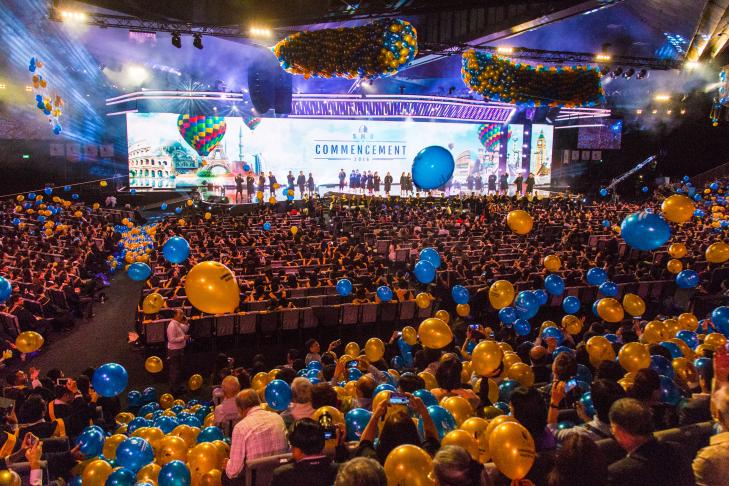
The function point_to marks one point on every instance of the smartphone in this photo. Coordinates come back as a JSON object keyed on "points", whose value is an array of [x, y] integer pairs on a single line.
{"points": [[62, 381], [33, 439], [398, 399], [473, 327]]}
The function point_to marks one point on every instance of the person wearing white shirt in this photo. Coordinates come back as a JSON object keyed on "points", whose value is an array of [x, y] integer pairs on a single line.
{"points": [[177, 338]]}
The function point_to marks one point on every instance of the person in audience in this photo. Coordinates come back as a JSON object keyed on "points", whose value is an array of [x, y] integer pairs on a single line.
{"points": [[697, 408], [448, 376], [578, 462], [226, 413], [31, 417], [453, 466], [300, 406], [603, 393], [648, 460], [313, 348], [361, 471], [647, 388], [258, 434], [711, 463], [177, 338], [71, 407], [311, 467]]}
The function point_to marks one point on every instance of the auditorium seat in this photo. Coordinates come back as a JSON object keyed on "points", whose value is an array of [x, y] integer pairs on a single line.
{"points": [[155, 332], [259, 472], [247, 323], [406, 311], [350, 314]]}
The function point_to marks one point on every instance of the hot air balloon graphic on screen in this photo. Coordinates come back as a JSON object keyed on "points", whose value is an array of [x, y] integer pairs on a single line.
{"points": [[202, 132]]}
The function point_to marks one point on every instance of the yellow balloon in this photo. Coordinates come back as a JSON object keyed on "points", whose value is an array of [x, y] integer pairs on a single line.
{"points": [[153, 364], [28, 341], [463, 439], [476, 426], [496, 421], [674, 266], [688, 321], [714, 341], [181, 222], [209, 420], [673, 327], [95, 473], [678, 208], [166, 400], [512, 449], [195, 382], [634, 357], [208, 216], [422, 300], [486, 358], [685, 350], [434, 333], [552, 263], [599, 349], [153, 303], [510, 358], [409, 335], [655, 332], [187, 433], [151, 434], [685, 372], [374, 349], [8, 477], [519, 221], [443, 315], [459, 407], [111, 443], [212, 288], [124, 417], [259, 381], [189, 202], [463, 310], [337, 416], [409, 465], [202, 458], [352, 349], [572, 324], [610, 310], [501, 294], [717, 252], [294, 230], [103, 183], [633, 305], [677, 250], [149, 473], [171, 448], [522, 373], [429, 379], [272, 200], [212, 478], [493, 393]]}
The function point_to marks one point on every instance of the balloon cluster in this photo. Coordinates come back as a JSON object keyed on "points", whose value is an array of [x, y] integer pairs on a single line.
{"points": [[490, 134], [369, 51], [50, 104], [500, 79], [134, 248], [427, 264], [202, 132], [251, 122]]}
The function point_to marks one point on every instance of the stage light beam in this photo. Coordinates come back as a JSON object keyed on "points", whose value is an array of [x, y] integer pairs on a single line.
{"points": [[137, 74], [662, 97]]}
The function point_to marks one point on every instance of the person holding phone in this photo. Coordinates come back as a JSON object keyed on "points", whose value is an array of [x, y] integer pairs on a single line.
{"points": [[177, 338]]}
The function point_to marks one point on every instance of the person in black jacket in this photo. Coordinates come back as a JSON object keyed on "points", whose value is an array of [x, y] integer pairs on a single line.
{"points": [[71, 407], [301, 182], [311, 467], [649, 461], [388, 183]]}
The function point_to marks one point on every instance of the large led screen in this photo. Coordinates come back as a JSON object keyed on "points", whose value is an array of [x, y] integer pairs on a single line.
{"points": [[167, 150]]}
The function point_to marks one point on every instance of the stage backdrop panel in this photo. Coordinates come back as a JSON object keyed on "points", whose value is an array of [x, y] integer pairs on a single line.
{"points": [[160, 157]]}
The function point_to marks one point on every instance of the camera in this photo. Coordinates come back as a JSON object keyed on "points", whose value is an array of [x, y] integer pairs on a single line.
{"points": [[62, 381], [327, 426]]}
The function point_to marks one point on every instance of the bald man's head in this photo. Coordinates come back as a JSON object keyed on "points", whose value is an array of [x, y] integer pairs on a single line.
{"points": [[247, 399]]}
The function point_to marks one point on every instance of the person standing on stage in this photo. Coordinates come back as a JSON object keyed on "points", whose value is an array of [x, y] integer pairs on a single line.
{"points": [[478, 183], [271, 183], [342, 177], [290, 179], [388, 183], [177, 338], [492, 183], [261, 183], [518, 182], [409, 182], [238, 188], [370, 182], [301, 182], [310, 183], [469, 183], [530, 183], [504, 183], [377, 182], [351, 180], [250, 186], [403, 184]]}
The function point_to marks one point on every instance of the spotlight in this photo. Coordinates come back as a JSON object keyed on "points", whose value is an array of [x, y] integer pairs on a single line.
{"points": [[197, 40], [642, 74], [691, 65], [638, 111], [176, 40], [73, 16], [505, 50], [629, 73], [617, 73], [662, 97], [261, 32], [137, 74], [603, 57]]}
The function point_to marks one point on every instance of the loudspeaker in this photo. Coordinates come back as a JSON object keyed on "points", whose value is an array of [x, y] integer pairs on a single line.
{"points": [[269, 85], [283, 92]]}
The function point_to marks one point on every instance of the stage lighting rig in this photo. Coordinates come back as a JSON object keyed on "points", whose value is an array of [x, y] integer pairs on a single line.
{"points": [[197, 40], [642, 74], [629, 73], [176, 40]]}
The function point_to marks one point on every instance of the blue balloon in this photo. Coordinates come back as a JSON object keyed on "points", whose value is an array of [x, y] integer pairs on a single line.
{"points": [[6, 289], [137, 423], [686, 178], [460, 294], [134, 398], [356, 420], [571, 304], [608, 288], [689, 337], [110, 380], [74, 196], [507, 315], [178, 210], [267, 226], [424, 272], [669, 391], [344, 287], [553, 332], [605, 223], [176, 249], [41, 219], [687, 279], [541, 295], [587, 405], [426, 396], [594, 308], [91, 441], [443, 419], [603, 192], [661, 365], [645, 231], [149, 394], [75, 481], [384, 293], [575, 384], [133, 192], [134, 453], [381, 387], [397, 362], [526, 304], [583, 373], [31, 195], [522, 327], [203, 412], [314, 365], [166, 423], [278, 395], [503, 406], [596, 276], [353, 374], [430, 255], [714, 186], [432, 167], [613, 338], [163, 207], [506, 387], [644, 189], [16, 221], [121, 477], [148, 408], [562, 349], [48, 191], [673, 349], [554, 284], [213, 433], [139, 271], [174, 473], [66, 188], [703, 364], [720, 319]]}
